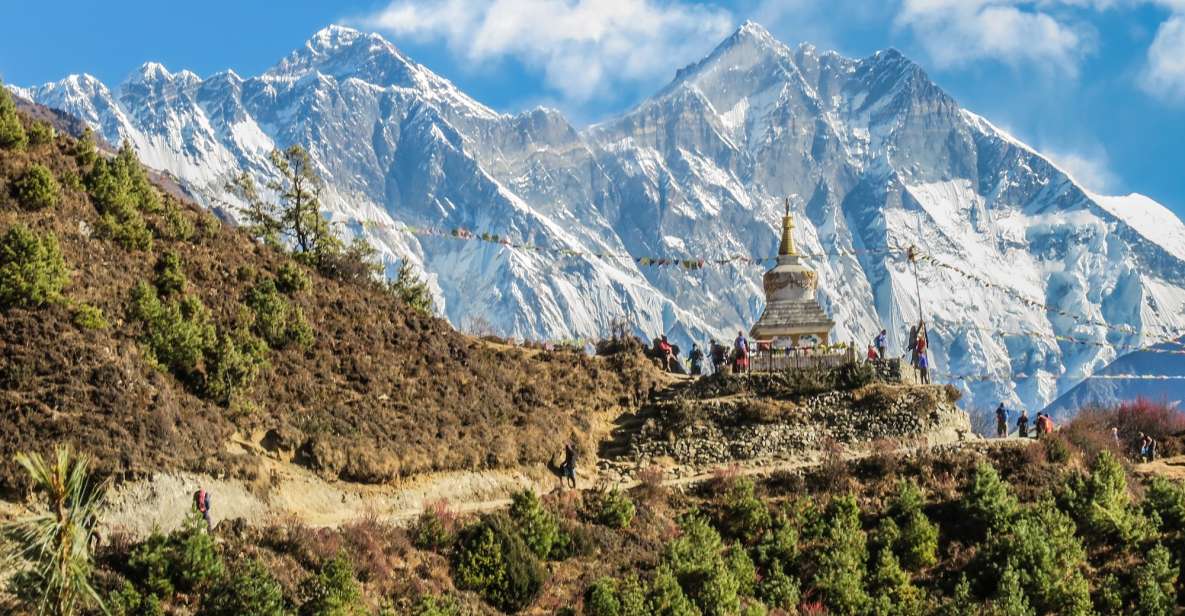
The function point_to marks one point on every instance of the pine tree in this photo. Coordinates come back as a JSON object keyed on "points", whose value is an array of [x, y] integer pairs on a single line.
{"points": [[1156, 584], [987, 503], [840, 576], [12, 132], [299, 189], [1010, 597]]}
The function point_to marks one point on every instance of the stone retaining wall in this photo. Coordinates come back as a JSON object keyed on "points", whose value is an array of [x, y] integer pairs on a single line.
{"points": [[704, 432]]}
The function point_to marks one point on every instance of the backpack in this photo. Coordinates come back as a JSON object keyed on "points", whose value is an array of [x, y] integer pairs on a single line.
{"points": [[201, 500]]}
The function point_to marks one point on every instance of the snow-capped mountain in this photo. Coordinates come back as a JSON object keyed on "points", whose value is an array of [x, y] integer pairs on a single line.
{"points": [[880, 157]]}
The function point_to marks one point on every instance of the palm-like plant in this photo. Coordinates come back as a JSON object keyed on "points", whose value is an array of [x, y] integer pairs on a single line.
{"points": [[55, 545]]}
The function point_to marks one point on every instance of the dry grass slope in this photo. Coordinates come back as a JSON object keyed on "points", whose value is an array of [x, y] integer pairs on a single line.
{"points": [[382, 392]]}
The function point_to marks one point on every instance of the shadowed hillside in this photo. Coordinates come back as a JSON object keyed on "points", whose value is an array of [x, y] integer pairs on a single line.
{"points": [[172, 334]]}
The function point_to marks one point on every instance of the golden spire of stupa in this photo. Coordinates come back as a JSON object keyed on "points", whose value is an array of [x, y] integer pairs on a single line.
{"points": [[787, 247]]}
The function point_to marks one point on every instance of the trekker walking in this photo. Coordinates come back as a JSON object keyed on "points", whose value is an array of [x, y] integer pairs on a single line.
{"points": [[881, 343], [667, 352], [718, 354], [741, 348], [1001, 421], [1022, 424], [923, 369], [697, 360], [201, 502], [568, 468]]}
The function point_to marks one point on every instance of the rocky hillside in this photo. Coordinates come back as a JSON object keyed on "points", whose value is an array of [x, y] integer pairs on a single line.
{"points": [[879, 155], [138, 327]]}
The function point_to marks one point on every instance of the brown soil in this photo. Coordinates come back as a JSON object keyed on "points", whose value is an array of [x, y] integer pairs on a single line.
{"points": [[383, 392]]}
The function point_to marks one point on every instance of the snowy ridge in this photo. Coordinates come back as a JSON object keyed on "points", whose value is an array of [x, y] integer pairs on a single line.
{"points": [[879, 156]]}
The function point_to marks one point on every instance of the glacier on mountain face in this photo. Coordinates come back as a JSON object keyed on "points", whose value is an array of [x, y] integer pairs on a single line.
{"points": [[879, 156]]}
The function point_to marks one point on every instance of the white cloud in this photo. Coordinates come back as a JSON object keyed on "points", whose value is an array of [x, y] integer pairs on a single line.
{"points": [[583, 48], [1164, 75], [957, 32], [1090, 168]]}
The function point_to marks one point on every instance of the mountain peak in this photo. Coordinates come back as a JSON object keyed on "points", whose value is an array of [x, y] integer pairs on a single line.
{"points": [[150, 71], [333, 36]]}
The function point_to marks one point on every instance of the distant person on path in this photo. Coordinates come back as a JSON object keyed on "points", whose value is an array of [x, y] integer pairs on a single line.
{"points": [[741, 348], [568, 468], [923, 369], [881, 343], [1115, 437], [1022, 424], [697, 360], [719, 356], [201, 502], [1147, 449], [1001, 421], [666, 352], [912, 348]]}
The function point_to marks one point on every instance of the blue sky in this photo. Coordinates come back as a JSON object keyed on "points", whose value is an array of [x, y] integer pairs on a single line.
{"points": [[1099, 85]]}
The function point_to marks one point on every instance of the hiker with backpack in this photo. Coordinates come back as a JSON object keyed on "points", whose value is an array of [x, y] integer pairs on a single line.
{"points": [[881, 343], [697, 360], [568, 468], [741, 351], [201, 502], [1001, 421], [923, 369], [1022, 424]]}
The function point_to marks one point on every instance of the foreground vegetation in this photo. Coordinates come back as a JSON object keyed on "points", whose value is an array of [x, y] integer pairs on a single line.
{"points": [[1055, 527]]}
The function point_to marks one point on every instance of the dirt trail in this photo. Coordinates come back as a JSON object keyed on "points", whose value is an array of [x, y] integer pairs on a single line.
{"points": [[295, 494], [1172, 468]]}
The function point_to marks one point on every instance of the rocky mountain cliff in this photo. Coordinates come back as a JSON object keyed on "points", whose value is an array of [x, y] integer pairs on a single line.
{"points": [[879, 156]]}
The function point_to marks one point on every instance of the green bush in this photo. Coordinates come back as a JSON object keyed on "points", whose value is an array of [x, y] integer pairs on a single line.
{"points": [[613, 508], [87, 316], [917, 544], [232, 364], [435, 606], [893, 594], [411, 290], [1166, 499], [601, 598], [1156, 584], [127, 601], [987, 504], [292, 278], [961, 602], [250, 590], [743, 570], [12, 132], [492, 559], [840, 575], [779, 590], [431, 531], [194, 562], [1108, 600], [186, 560], [779, 544], [333, 590], [743, 515], [177, 225], [697, 560], [32, 271], [37, 188], [275, 320], [121, 193], [40, 133], [1104, 506], [538, 527], [1048, 558], [1010, 598], [170, 278], [666, 596], [177, 333]]}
